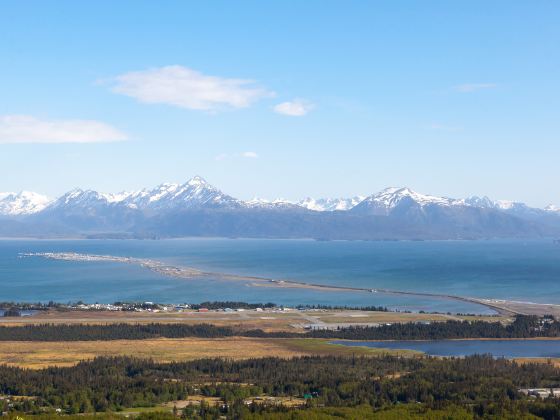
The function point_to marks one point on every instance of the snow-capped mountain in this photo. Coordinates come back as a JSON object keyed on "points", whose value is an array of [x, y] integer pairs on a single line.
{"points": [[195, 193], [475, 201], [84, 210], [196, 208], [78, 198], [487, 203], [263, 203], [22, 203], [330, 204], [319, 204], [511, 207], [386, 201]]}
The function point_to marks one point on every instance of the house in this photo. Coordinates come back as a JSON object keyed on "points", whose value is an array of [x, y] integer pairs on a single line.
{"points": [[541, 392]]}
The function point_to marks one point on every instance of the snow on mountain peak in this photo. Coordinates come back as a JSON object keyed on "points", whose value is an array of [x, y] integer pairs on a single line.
{"points": [[476, 201], [392, 196], [22, 203], [197, 193], [384, 202], [79, 197], [509, 205], [197, 180], [330, 204], [116, 198], [159, 192], [278, 203]]}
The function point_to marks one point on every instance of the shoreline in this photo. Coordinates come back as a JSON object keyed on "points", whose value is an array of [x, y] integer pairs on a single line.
{"points": [[447, 339], [501, 306]]}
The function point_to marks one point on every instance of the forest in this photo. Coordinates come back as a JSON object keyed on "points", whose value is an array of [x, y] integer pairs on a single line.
{"points": [[522, 327], [476, 386]]}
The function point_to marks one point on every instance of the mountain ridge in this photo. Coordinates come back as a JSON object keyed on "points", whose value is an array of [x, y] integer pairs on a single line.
{"points": [[198, 208], [193, 190]]}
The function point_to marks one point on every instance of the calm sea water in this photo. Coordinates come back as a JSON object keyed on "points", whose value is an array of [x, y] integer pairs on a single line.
{"points": [[497, 348], [518, 270]]}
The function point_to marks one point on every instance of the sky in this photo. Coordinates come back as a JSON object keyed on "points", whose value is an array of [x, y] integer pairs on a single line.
{"points": [[282, 99]]}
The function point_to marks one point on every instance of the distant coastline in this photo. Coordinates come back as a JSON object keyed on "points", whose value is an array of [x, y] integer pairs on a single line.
{"points": [[87, 237]]}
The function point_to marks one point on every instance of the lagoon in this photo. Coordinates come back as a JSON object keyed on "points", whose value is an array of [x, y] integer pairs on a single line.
{"points": [[498, 348]]}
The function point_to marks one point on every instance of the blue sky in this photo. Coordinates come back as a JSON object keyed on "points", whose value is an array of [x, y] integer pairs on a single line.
{"points": [[282, 99]]}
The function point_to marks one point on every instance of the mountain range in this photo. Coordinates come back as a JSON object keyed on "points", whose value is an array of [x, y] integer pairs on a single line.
{"points": [[196, 208]]}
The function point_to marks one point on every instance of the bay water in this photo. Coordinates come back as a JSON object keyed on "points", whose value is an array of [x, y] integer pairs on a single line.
{"points": [[500, 269]]}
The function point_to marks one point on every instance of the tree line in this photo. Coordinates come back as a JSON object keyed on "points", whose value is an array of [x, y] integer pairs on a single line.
{"points": [[523, 326]]}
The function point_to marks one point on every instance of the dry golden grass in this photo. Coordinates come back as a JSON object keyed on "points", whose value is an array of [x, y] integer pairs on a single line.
{"points": [[42, 354], [194, 400], [268, 400], [36, 355], [544, 360], [393, 317]]}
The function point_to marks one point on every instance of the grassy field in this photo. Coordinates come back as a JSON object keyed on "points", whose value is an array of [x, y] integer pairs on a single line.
{"points": [[41, 354], [382, 317], [38, 355], [323, 347]]}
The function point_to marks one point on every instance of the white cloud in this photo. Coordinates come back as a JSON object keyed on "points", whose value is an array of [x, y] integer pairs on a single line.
{"points": [[27, 129], [249, 155], [471, 87], [295, 108], [245, 155], [186, 88]]}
